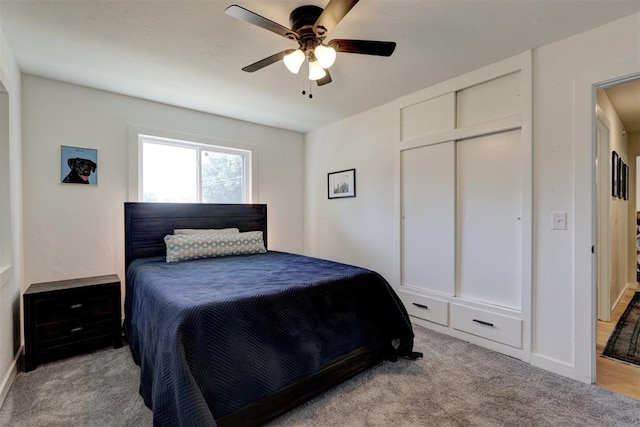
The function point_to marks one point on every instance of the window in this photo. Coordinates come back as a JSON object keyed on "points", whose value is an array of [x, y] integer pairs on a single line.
{"points": [[171, 170]]}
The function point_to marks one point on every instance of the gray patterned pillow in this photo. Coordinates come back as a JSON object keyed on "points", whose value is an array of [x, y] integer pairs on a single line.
{"points": [[196, 246]]}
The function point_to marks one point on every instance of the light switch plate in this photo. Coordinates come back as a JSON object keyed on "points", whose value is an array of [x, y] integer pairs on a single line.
{"points": [[559, 221]]}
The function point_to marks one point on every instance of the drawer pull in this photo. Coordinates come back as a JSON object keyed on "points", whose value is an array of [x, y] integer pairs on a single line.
{"points": [[420, 305], [74, 330], [76, 306], [483, 322]]}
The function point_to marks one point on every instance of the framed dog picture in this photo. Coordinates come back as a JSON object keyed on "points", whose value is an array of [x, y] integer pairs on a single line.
{"points": [[78, 165]]}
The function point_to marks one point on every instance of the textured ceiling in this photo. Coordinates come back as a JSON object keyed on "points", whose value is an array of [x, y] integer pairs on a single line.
{"points": [[190, 53]]}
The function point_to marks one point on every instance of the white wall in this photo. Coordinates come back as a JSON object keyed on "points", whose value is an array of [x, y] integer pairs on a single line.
{"points": [[10, 290], [77, 230], [564, 127], [356, 230], [360, 230]]}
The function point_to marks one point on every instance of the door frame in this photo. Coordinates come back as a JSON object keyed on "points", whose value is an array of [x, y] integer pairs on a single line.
{"points": [[603, 195], [585, 311]]}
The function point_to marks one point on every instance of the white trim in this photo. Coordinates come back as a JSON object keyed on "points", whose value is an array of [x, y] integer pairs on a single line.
{"points": [[459, 134], [5, 274], [525, 62], [134, 155], [620, 296], [603, 187], [557, 366], [6, 223], [7, 381], [472, 339]]}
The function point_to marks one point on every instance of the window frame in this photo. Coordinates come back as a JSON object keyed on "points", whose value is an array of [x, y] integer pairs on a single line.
{"points": [[138, 135]]}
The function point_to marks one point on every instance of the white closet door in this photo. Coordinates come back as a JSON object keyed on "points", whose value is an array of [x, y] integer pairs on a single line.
{"points": [[489, 219], [428, 217]]}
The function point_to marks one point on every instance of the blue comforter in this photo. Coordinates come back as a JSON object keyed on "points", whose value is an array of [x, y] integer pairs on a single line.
{"points": [[213, 335]]}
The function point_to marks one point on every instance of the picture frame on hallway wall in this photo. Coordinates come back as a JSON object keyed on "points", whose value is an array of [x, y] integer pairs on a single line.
{"points": [[622, 181], [341, 184], [620, 176], [614, 174], [78, 165], [625, 180]]}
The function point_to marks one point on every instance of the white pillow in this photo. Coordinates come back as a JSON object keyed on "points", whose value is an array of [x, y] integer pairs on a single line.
{"points": [[184, 247], [206, 230]]}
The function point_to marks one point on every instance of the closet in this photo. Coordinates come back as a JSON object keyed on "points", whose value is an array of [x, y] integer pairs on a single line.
{"points": [[464, 174]]}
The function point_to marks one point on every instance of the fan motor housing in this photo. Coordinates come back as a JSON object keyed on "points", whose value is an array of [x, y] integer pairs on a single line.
{"points": [[302, 19]]}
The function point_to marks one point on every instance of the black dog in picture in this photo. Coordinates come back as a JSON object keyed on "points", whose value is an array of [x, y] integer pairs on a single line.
{"points": [[80, 170]]}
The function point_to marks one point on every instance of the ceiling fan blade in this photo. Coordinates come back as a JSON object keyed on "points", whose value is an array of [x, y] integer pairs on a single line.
{"points": [[331, 15], [246, 15], [364, 47], [266, 61], [325, 80]]}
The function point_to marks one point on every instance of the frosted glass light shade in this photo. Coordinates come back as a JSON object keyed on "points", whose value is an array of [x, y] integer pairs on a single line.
{"points": [[294, 60], [326, 55], [316, 71]]}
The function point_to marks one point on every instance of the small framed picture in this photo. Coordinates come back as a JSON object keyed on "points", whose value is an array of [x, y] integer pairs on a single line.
{"points": [[341, 184], [614, 174], [625, 180], [78, 165], [619, 173]]}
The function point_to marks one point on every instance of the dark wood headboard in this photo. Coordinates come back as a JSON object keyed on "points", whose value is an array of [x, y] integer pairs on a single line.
{"points": [[146, 224]]}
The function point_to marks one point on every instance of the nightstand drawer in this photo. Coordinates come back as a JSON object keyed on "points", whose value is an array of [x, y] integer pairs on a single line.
{"points": [[61, 333], [70, 307]]}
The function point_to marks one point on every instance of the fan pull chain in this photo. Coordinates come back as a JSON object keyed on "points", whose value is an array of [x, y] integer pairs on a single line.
{"points": [[304, 92]]}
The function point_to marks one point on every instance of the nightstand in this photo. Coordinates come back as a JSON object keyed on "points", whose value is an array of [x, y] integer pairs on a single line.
{"points": [[69, 317]]}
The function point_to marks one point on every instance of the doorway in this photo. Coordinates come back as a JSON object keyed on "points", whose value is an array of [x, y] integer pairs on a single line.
{"points": [[617, 131]]}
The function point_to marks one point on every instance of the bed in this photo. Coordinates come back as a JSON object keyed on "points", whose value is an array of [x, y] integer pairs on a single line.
{"points": [[239, 340]]}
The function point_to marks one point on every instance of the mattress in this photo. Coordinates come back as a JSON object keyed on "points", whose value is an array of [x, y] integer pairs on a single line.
{"points": [[214, 335]]}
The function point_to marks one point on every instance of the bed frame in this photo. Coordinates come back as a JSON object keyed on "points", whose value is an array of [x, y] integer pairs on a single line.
{"points": [[146, 224]]}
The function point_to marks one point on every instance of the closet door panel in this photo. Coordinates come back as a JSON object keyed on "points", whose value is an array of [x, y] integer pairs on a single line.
{"points": [[428, 217], [492, 100], [428, 117], [489, 219]]}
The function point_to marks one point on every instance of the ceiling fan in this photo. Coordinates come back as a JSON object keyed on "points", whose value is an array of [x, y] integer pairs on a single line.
{"points": [[310, 25]]}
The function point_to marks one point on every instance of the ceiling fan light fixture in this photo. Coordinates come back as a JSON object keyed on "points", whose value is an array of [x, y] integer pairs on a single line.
{"points": [[316, 71], [293, 61], [326, 55], [309, 26]]}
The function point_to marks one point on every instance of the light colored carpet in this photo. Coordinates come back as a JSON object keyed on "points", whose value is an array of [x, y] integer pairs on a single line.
{"points": [[456, 384], [92, 390]]}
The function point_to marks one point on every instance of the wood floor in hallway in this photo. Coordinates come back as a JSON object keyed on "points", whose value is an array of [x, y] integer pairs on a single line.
{"points": [[620, 377]]}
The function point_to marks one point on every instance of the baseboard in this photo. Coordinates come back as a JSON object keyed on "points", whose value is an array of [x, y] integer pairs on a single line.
{"points": [[558, 367], [7, 381], [620, 296], [516, 353]]}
